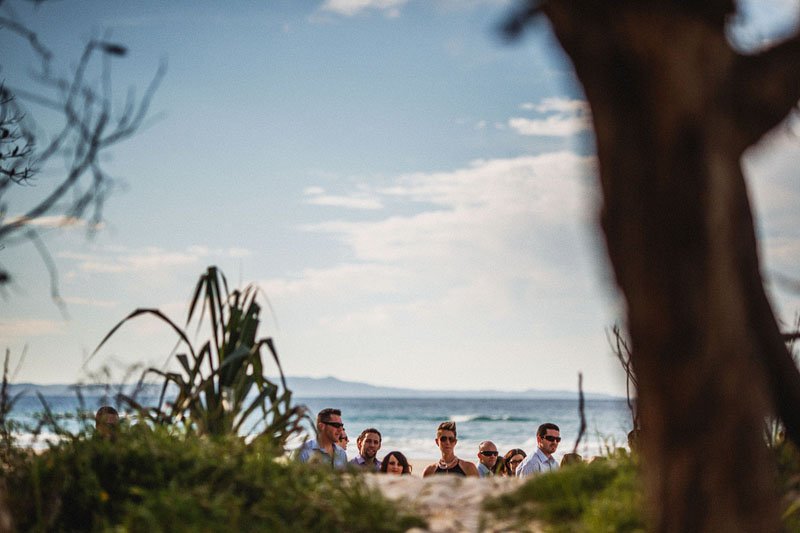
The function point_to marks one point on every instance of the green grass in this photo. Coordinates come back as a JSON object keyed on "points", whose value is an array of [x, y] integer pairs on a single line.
{"points": [[156, 481]]}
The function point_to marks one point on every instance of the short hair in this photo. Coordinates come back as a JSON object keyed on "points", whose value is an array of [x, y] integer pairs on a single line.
{"points": [[105, 410], [542, 431], [326, 414], [485, 442], [364, 434], [446, 426], [400, 459]]}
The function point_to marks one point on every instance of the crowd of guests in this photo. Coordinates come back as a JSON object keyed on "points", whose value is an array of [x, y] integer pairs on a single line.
{"points": [[332, 440]]}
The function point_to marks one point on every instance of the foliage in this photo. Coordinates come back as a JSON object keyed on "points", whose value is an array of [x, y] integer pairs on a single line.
{"points": [[221, 385], [158, 481], [596, 497], [80, 119]]}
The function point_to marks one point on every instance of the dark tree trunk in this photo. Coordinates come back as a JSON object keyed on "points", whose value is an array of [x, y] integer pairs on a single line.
{"points": [[674, 108]]}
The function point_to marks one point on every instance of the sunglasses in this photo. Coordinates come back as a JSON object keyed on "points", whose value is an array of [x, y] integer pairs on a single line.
{"points": [[515, 461], [550, 438], [447, 439], [337, 425], [489, 454]]}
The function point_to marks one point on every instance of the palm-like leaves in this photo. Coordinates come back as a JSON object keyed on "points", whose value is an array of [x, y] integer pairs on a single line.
{"points": [[222, 385]]}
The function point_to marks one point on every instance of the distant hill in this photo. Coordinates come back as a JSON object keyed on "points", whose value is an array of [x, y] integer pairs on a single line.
{"points": [[330, 387]]}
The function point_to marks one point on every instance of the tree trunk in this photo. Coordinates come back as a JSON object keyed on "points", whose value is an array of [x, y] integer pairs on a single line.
{"points": [[673, 112]]}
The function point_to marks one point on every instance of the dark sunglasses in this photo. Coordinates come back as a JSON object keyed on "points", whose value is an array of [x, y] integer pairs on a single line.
{"points": [[337, 425], [550, 438], [490, 454], [447, 439]]}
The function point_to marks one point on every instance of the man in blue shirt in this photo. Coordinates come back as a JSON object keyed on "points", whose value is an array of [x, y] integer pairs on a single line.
{"points": [[547, 438], [369, 442], [324, 449]]}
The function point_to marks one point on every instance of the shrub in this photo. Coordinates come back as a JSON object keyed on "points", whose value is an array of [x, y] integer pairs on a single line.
{"points": [[157, 481]]}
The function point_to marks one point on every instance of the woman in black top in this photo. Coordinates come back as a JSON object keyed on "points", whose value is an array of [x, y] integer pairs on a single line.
{"points": [[449, 463]]}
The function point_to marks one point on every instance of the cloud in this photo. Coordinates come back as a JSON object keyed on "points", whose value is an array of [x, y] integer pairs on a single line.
{"points": [[317, 196], [89, 302], [559, 105], [151, 259], [566, 117], [27, 328], [350, 8], [479, 235], [551, 126]]}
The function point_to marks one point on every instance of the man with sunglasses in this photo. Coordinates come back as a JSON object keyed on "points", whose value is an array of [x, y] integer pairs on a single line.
{"points": [[324, 449], [547, 438], [487, 458]]}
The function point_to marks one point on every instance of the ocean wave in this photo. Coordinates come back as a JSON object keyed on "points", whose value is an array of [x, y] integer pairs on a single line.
{"points": [[489, 418]]}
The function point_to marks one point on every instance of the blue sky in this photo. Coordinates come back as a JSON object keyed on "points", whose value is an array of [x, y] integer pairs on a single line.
{"points": [[415, 196]]}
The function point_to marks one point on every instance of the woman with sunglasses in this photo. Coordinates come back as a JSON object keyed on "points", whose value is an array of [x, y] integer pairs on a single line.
{"points": [[511, 460], [449, 463]]}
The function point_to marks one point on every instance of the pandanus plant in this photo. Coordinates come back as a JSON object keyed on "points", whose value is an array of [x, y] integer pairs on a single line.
{"points": [[222, 386]]}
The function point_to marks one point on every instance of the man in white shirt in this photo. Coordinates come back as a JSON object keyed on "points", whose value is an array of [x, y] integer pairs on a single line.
{"points": [[547, 438]]}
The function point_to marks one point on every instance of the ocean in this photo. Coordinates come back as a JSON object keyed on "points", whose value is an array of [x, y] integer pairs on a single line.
{"points": [[409, 424]]}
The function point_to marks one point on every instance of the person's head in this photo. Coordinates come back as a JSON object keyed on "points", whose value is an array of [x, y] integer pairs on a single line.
{"points": [[633, 440], [343, 439], [487, 454], [395, 463], [547, 438], [571, 459], [329, 425], [512, 460], [106, 420], [369, 442], [446, 437]]}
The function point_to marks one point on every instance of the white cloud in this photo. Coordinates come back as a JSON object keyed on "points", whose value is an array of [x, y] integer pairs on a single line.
{"points": [[551, 126], [481, 235], [358, 200], [350, 8], [151, 259], [566, 117], [89, 302], [558, 105], [27, 328]]}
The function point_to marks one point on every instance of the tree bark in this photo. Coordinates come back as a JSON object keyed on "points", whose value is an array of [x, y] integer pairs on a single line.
{"points": [[674, 107]]}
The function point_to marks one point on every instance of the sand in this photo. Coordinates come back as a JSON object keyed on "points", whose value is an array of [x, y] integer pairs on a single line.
{"points": [[449, 503]]}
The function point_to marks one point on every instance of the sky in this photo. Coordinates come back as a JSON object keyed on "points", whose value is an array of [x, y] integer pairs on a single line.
{"points": [[416, 197]]}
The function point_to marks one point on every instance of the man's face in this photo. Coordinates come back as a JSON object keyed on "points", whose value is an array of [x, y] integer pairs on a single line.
{"points": [[332, 428], [487, 454], [107, 424], [446, 441], [549, 442], [369, 445]]}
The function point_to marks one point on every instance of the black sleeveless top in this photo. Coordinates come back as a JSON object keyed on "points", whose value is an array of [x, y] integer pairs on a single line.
{"points": [[454, 470]]}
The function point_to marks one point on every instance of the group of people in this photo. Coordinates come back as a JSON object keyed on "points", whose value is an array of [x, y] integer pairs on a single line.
{"points": [[329, 448]]}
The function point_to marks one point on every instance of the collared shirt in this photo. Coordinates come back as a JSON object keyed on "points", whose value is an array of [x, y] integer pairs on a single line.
{"points": [[359, 460], [310, 452], [484, 470], [536, 463]]}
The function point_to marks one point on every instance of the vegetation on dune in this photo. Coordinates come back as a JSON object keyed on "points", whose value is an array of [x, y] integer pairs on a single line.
{"points": [[155, 480], [599, 496], [188, 463]]}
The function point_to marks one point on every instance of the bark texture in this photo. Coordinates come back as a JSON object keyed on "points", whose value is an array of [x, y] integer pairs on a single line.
{"points": [[674, 107]]}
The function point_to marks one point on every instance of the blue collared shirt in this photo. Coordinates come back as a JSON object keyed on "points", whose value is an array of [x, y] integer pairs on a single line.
{"points": [[484, 471], [310, 452], [536, 463], [359, 460]]}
